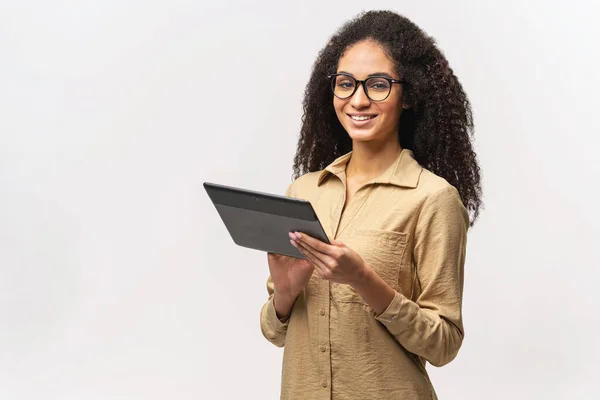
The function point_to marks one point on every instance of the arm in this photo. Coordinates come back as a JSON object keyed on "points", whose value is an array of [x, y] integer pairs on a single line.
{"points": [[432, 326]]}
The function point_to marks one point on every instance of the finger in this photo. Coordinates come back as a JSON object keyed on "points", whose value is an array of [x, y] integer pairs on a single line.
{"points": [[329, 261], [316, 244], [305, 252], [316, 255], [303, 240], [316, 261]]}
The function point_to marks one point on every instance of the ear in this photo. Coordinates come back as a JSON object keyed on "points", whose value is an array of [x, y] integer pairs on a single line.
{"points": [[405, 105]]}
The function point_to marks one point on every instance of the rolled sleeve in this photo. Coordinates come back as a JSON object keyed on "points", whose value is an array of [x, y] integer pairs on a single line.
{"points": [[273, 329]]}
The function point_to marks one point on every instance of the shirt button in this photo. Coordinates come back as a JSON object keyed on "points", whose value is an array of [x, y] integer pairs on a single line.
{"points": [[323, 348], [324, 384], [322, 311]]}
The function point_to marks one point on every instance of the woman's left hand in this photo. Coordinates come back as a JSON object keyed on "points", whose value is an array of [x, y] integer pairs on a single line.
{"points": [[336, 262]]}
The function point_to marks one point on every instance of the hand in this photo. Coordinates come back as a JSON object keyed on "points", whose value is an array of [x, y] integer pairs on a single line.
{"points": [[336, 262], [290, 275]]}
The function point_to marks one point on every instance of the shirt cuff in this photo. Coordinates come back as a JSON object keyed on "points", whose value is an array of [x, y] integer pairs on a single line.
{"points": [[393, 310]]}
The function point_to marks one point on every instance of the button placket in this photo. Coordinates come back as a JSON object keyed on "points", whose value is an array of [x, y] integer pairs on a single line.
{"points": [[324, 361]]}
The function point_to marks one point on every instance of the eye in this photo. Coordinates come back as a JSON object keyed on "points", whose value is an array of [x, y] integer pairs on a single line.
{"points": [[345, 83], [378, 84]]}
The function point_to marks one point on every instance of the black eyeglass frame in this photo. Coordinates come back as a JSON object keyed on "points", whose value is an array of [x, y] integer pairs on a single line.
{"points": [[331, 78]]}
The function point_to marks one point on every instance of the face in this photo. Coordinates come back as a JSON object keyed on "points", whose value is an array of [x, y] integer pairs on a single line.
{"points": [[363, 118]]}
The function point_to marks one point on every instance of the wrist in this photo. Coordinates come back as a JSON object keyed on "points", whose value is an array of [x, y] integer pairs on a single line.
{"points": [[283, 304], [363, 278], [374, 290]]}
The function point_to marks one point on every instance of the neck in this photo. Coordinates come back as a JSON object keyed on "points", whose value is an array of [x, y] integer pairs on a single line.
{"points": [[369, 159]]}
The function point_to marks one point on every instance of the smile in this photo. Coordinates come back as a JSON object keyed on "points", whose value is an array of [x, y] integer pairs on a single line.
{"points": [[361, 117]]}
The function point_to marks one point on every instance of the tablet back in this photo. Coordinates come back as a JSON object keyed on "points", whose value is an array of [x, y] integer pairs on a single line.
{"points": [[262, 221]]}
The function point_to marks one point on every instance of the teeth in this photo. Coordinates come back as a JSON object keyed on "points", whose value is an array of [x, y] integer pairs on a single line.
{"points": [[361, 117]]}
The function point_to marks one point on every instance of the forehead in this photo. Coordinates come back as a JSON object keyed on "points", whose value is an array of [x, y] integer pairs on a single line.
{"points": [[365, 58]]}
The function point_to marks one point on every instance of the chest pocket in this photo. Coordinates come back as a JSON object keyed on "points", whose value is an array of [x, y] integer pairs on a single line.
{"points": [[381, 250]]}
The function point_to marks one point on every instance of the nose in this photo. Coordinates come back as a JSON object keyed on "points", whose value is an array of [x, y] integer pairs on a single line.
{"points": [[360, 99]]}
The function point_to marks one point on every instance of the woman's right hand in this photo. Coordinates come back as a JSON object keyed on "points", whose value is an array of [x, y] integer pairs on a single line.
{"points": [[290, 275]]}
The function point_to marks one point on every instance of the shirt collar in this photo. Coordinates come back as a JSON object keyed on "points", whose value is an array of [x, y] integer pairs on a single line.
{"points": [[404, 172]]}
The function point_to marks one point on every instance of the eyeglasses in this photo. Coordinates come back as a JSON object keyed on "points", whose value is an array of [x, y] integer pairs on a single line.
{"points": [[377, 88]]}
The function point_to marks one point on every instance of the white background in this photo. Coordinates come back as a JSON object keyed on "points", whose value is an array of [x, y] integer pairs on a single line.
{"points": [[118, 279]]}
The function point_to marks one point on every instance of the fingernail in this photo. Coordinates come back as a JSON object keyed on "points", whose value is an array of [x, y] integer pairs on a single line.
{"points": [[298, 236], [292, 236]]}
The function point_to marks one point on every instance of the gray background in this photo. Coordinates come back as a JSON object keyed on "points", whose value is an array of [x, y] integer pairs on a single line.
{"points": [[118, 279]]}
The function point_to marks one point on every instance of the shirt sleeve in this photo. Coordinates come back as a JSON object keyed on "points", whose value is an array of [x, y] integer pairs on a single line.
{"points": [[432, 326], [273, 328]]}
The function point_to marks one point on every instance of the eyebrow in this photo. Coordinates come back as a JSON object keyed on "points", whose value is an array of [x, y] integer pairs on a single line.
{"points": [[387, 75]]}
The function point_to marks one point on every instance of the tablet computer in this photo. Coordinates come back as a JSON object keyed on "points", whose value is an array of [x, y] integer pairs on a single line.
{"points": [[262, 221]]}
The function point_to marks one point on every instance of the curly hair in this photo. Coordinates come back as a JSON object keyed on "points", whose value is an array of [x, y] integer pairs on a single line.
{"points": [[438, 126]]}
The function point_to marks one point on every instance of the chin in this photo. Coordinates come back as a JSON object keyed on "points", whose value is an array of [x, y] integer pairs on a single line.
{"points": [[361, 136]]}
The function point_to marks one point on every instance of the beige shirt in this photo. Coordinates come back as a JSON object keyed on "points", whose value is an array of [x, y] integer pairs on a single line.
{"points": [[410, 226]]}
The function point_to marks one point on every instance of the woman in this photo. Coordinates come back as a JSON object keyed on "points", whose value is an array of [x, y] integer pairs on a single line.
{"points": [[385, 158]]}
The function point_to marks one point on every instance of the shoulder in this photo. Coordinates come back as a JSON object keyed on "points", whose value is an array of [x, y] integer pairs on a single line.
{"points": [[431, 185], [433, 189], [438, 196]]}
